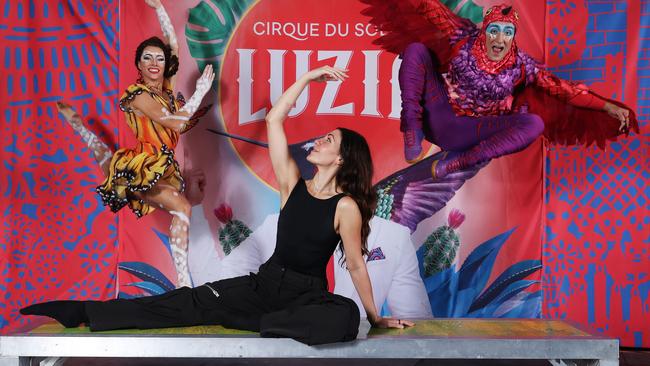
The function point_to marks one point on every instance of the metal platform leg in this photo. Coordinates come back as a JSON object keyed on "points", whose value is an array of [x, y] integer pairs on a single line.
{"points": [[607, 363], [584, 362], [14, 361], [53, 361]]}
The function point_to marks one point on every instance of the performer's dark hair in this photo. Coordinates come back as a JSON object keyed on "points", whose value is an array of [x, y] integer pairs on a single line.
{"points": [[355, 178], [506, 11], [171, 61]]}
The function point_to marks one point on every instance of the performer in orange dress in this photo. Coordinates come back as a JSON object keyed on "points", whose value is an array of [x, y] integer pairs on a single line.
{"points": [[147, 176]]}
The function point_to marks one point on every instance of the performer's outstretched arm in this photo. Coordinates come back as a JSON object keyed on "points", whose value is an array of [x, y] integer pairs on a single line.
{"points": [[579, 95], [177, 121], [593, 101], [167, 29], [285, 168]]}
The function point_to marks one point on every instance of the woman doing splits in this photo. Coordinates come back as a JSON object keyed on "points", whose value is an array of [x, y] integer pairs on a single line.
{"points": [[288, 297]]}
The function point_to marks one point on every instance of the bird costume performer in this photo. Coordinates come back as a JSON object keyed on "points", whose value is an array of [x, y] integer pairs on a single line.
{"points": [[478, 96]]}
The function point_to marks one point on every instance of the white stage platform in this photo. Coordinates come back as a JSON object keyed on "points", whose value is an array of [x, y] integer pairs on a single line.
{"points": [[449, 339]]}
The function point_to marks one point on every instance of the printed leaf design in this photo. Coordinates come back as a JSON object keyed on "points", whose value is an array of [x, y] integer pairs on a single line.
{"points": [[463, 293], [469, 9], [515, 272], [510, 292], [164, 238], [529, 307], [147, 272], [443, 291], [209, 27], [150, 287], [472, 275]]}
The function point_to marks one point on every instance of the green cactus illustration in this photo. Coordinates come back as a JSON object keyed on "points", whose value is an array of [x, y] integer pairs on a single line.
{"points": [[233, 232], [441, 247]]}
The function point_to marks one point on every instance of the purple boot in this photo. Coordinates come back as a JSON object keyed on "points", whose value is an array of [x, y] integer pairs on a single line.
{"points": [[450, 162], [413, 146], [507, 141]]}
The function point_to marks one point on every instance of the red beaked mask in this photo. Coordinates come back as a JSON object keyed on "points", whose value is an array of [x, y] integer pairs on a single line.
{"points": [[498, 13]]}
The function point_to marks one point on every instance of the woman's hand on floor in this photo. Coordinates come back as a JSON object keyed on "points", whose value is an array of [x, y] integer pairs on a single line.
{"points": [[391, 323]]}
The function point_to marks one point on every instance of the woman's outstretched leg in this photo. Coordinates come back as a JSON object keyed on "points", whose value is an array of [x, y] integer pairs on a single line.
{"points": [[100, 149], [67, 312], [172, 201], [234, 302], [180, 307]]}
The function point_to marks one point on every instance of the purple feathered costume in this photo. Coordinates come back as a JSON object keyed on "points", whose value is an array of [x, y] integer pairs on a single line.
{"points": [[475, 108]]}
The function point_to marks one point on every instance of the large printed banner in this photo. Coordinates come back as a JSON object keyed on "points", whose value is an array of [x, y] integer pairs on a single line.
{"points": [[480, 255], [571, 222]]}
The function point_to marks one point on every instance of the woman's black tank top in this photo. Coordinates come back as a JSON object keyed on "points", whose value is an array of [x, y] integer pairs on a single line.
{"points": [[306, 236]]}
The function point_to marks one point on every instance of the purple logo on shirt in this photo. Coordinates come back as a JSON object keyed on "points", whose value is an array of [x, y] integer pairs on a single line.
{"points": [[375, 255]]}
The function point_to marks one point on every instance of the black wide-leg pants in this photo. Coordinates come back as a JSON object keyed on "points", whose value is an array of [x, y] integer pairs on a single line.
{"points": [[276, 302]]}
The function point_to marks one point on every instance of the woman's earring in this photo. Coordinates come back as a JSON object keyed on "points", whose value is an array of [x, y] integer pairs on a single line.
{"points": [[140, 79]]}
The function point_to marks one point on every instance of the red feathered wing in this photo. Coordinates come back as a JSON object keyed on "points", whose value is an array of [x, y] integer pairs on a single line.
{"points": [[407, 21], [567, 124]]}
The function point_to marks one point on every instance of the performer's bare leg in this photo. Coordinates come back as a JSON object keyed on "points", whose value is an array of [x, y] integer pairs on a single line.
{"points": [[100, 149], [171, 200]]}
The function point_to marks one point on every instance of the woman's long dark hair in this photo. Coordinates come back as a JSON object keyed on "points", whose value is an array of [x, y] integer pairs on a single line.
{"points": [[171, 61], [355, 178]]}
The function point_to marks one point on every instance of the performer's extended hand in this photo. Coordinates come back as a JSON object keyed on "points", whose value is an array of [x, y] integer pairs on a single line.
{"points": [[204, 82], [68, 113], [620, 114], [327, 73], [153, 3], [391, 323]]}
